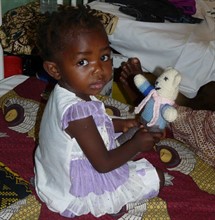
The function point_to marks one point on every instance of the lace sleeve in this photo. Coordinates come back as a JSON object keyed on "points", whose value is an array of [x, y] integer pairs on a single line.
{"points": [[81, 110]]}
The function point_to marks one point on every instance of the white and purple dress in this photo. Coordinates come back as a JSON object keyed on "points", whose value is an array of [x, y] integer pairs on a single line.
{"points": [[65, 179]]}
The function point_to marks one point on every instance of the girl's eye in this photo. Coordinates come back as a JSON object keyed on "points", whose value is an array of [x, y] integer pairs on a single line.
{"points": [[105, 57], [82, 63]]}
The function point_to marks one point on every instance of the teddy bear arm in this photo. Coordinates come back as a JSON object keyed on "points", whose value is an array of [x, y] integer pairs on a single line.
{"points": [[169, 113], [143, 84]]}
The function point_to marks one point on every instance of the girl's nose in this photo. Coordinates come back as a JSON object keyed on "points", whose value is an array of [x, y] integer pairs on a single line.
{"points": [[98, 69]]}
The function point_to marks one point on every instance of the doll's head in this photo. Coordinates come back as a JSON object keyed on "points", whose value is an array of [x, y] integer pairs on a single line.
{"points": [[158, 104], [167, 84]]}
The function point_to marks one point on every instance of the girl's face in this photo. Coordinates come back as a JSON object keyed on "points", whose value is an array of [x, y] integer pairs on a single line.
{"points": [[86, 65]]}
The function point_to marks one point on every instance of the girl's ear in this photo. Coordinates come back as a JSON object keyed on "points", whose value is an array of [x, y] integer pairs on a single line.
{"points": [[52, 69]]}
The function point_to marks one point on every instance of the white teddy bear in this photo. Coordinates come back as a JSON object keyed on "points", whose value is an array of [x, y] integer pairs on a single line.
{"points": [[159, 99]]}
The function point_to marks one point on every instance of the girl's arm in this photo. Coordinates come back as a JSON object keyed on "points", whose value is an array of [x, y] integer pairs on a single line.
{"points": [[90, 141]]}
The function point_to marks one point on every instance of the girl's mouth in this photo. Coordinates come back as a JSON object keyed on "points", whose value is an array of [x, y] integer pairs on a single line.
{"points": [[97, 85]]}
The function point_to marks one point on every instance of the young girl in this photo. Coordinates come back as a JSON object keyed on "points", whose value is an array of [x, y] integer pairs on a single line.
{"points": [[78, 168]]}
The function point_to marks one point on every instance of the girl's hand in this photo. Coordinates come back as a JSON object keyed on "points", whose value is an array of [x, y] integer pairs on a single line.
{"points": [[144, 140]]}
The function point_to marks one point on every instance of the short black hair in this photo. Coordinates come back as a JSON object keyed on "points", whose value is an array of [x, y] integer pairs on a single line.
{"points": [[53, 32]]}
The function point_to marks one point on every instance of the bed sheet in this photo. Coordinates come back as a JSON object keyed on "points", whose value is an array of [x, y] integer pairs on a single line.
{"points": [[190, 48], [192, 195]]}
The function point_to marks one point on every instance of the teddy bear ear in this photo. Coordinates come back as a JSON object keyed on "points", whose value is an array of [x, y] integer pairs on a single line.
{"points": [[178, 79], [168, 68], [175, 73]]}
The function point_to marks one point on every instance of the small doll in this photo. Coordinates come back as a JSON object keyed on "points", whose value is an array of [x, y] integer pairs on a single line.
{"points": [[158, 103], [157, 106]]}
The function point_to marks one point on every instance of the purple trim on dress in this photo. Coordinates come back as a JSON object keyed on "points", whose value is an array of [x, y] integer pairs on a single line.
{"points": [[68, 214], [80, 110], [91, 108], [87, 179], [84, 178], [141, 172]]}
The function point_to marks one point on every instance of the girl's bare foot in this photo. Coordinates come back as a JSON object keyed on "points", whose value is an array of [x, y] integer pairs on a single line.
{"points": [[129, 69]]}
